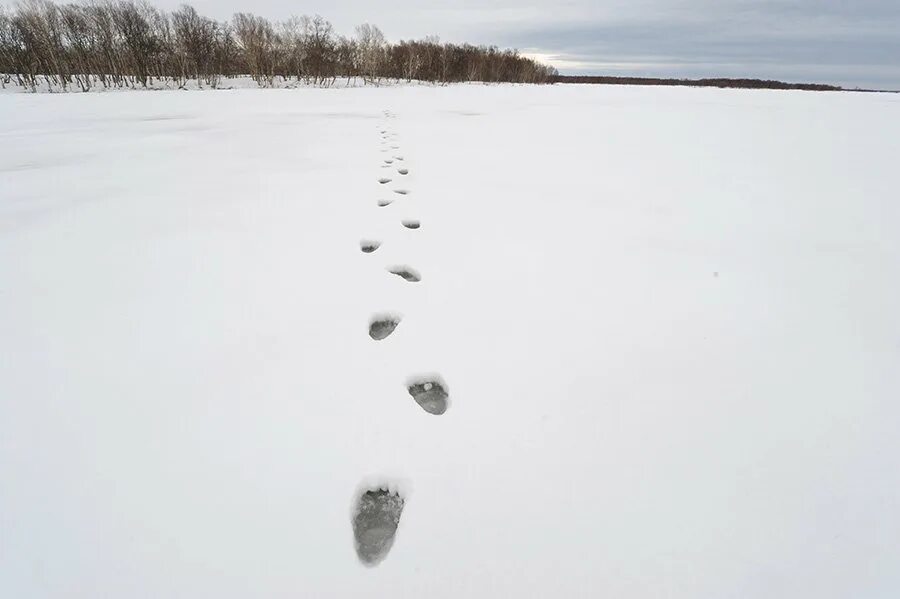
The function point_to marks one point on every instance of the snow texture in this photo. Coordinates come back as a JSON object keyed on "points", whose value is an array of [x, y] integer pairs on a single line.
{"points": [[668, 319]]}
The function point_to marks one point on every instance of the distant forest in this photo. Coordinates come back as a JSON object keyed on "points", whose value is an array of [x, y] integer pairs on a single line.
{"points": [[715, 82], [118, 44]]}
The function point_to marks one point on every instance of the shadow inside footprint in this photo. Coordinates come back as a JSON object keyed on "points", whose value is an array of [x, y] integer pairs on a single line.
{"points": [[388, 161], [402, 192], [411, 224], [384, 203], [398, 157], [375, 519], [430, 393], [403, 171], [407, 273], [368, 246], [382, 325], [384, 180]]}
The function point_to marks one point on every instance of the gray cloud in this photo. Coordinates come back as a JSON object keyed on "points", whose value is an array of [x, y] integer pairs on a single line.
{"points": [[851, 44]]}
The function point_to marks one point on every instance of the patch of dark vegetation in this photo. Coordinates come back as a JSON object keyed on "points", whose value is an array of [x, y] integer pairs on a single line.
{"points": [[717, 82], [430, 393], [375, 520]]}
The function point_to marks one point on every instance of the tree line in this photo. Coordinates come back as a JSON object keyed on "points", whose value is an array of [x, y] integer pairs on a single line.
{"points": [[115, 44], [709, 82]]}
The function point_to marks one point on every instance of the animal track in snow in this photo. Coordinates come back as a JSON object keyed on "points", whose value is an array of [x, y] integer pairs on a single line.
{"points": [[406, 272], [430, 392], [388, 161], [382, 325], [402, 192], [398, 157], [384, 180], [368, 246], [375, 520], [383, 203], [411, 224], [403, 171]]}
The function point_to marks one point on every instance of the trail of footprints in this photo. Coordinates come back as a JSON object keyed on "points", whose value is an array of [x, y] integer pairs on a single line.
{"points": [[377, 510]]}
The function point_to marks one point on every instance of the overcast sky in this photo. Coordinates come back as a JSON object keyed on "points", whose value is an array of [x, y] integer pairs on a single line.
{"points": [[849, 42]]}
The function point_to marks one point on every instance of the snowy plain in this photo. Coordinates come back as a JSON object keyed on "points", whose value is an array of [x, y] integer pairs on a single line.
{"points": [[667, 319]]}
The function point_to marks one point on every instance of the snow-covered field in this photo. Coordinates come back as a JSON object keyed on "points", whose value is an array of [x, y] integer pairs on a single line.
{"points": [[668, 321]]}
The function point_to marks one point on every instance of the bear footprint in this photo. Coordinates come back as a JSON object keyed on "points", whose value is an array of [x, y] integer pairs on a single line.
{"points": [[407, 273], [430, 392], [375, 520], [382, 325], [368, 246]]}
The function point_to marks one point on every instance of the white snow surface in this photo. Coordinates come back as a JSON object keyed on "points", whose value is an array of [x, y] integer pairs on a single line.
{"points": [[667, 319]]}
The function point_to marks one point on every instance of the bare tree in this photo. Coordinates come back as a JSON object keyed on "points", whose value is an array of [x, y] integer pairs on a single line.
{"points": [[196, 41], [370, 51], [257, 39], [320, 49]]}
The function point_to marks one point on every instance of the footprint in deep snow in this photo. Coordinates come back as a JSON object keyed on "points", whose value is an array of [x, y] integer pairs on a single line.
{"points": [[402, 192], [411, 224], [398, 157], [403, 171], [375, 520], [407, 273], [383, 203], [382, 325], [388, 161], [368, 246], [384, 180], [430, 393]]}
